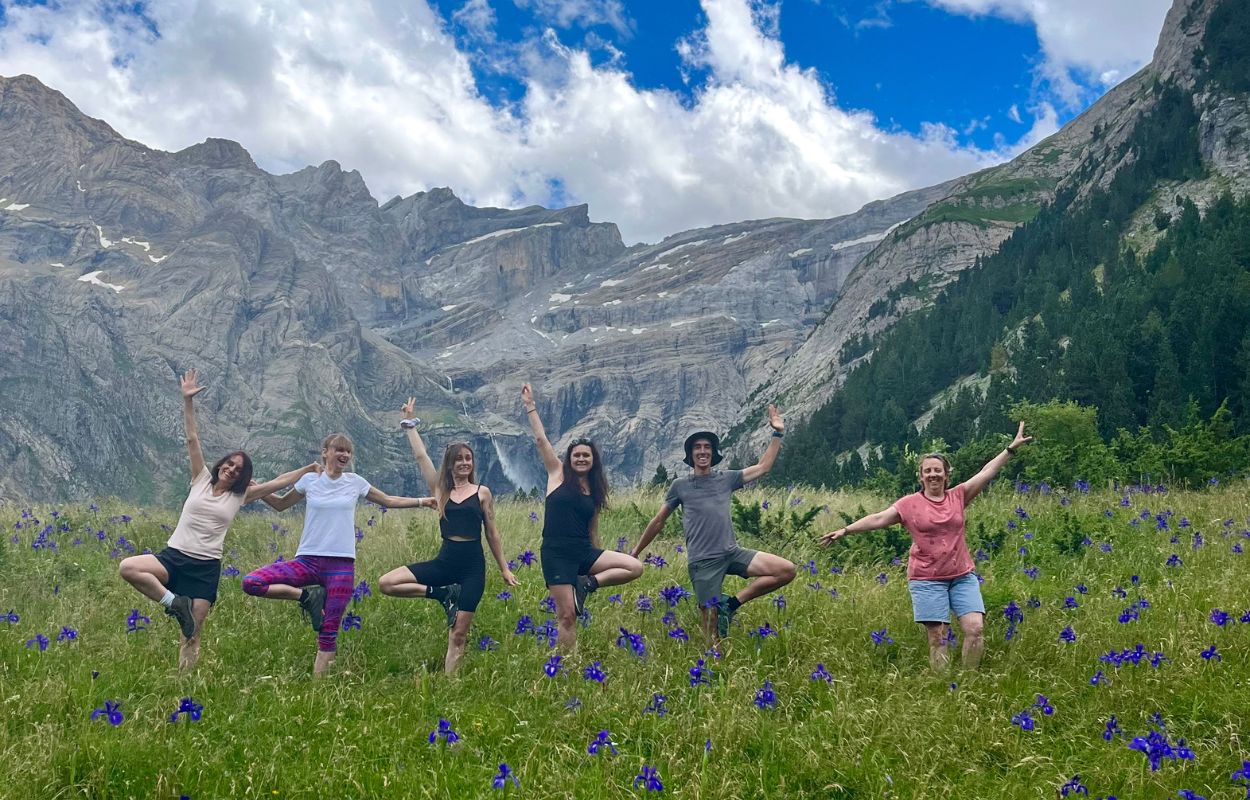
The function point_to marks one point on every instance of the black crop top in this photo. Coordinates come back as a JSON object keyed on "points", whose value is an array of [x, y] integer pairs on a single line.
{"points": [[463, 519]]}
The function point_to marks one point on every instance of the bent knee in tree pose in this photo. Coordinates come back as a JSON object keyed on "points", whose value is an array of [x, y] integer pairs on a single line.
{"points": [[939, 567], [456, 577], [184, 576], [322, 574], [712, 550], [574, 564]]}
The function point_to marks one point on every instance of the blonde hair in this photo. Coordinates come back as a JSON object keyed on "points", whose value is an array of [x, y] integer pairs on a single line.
{"points": [[446, 480], [338, 439], [946, 463]]}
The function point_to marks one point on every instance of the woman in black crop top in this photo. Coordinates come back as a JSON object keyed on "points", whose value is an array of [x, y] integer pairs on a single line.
{"points": [[574, 565], [456, 577]]}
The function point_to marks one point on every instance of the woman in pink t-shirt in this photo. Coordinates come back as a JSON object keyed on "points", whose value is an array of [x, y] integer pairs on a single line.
{"points": [[939, 567]]}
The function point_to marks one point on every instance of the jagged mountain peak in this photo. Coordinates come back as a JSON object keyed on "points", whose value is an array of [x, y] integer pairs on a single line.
{"points": [[217, 154]]}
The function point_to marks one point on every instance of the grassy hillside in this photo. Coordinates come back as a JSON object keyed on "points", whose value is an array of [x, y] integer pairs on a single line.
{"points": [[884, 726]]}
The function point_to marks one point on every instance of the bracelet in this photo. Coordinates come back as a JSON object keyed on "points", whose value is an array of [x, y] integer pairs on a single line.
{"points": [[409, 424], [1011, 450], [778, 434], [531, 410]]}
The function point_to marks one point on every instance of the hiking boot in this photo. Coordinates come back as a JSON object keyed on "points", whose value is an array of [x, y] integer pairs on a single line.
{"points": [[180, 610], [581, 590], [724, 616], [451, 604], [313, 605]]}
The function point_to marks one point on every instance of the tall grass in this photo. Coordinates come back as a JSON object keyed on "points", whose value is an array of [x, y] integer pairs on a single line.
{"points": [[885, 727]]}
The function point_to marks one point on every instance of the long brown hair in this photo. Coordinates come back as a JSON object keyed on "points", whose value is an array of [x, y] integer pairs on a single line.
{"points": [[446, 480], [597, 478]]}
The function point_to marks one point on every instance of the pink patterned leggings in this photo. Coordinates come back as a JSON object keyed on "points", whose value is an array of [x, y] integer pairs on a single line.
{"points": [[338, 575]]}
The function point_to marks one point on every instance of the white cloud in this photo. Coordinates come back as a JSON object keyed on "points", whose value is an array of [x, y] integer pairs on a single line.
{"points": [[381, 87], [1013, 113], [565, 13], [477, 18], [1096, 42]]}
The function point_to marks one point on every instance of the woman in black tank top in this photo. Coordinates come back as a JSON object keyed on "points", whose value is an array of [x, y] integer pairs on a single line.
{"points": [[574, 565], [456, 577]]}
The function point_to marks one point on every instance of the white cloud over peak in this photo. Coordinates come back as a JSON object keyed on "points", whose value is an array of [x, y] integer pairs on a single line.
{"points": [[380, 86], [1100, 42]]}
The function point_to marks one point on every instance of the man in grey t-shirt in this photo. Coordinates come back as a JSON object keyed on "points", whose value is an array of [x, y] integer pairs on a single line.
{"points": [[712, 550]]}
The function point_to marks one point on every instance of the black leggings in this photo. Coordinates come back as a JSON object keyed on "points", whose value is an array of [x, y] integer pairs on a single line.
{"points": [[456, 562]]}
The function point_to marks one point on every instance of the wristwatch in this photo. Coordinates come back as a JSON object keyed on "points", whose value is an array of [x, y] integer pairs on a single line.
{"points": [[408, 424]]}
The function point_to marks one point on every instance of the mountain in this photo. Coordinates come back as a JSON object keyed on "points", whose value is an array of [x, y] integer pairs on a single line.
{"points": [[1126, 290], [908, 270], [309, 307]]}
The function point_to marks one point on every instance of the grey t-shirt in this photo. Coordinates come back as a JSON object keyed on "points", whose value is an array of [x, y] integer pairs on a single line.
{"points": [[706, 518]]}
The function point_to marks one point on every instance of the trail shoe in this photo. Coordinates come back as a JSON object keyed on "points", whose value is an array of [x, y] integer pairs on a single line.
{"points": [[451, 604], [724, 616], [180, 610], [581, 590], [313, 605]]}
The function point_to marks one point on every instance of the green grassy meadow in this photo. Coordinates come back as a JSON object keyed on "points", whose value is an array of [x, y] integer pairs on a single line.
{"points": [[885, 727]]}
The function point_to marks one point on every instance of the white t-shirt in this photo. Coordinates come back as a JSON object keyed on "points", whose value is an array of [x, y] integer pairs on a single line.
{"points": [[330, 516], [202, 525]]}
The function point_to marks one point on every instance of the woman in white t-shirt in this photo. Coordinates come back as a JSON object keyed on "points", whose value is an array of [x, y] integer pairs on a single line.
{"points": [[184, 576], [326, 558]]}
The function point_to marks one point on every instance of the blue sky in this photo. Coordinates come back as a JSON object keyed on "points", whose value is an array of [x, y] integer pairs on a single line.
{"points": [[909, 63], [661, 116]]}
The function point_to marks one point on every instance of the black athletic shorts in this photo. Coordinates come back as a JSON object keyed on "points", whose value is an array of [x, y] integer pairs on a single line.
{"points": [[196, 578], [564, 561], [456, 562]]}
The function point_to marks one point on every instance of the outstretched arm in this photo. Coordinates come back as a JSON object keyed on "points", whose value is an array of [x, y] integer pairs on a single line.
{"points": [[492, 536], [418, 448], [551, 461], [262, 490], [652, 530], [757, 471], [977, 483], [190, 388], [390, 501], [872, 522], [281, 502]]}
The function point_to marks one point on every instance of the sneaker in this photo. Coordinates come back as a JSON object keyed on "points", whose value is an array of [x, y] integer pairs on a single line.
{"points": [[451, 604], [180, 610], [314, 606], [724, 616], [581, 590]]}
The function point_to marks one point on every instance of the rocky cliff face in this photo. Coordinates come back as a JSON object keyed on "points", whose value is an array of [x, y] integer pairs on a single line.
{"points": [[310, 308], [909, 267]]}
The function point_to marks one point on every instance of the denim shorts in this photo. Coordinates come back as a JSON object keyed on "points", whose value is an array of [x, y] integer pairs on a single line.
{"points": [[933, 601]]}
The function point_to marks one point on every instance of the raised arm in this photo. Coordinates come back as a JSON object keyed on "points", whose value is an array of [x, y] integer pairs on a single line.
{"points": [[551, 461], [428, 473], [190, 388], [492, 536], [281, 502], [652, 530], [390, 501], [262, 490], [872, 522], [977, 483], [757, 471]]}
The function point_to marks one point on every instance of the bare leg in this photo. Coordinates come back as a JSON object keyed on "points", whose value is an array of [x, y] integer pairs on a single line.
{"points": [[400, 582], [708, 618], [613, 568], [973, 625], [457, 637], [939, 653], [770, 573], [189, 650], [146, 574], [323, 662], [566, 617]]}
